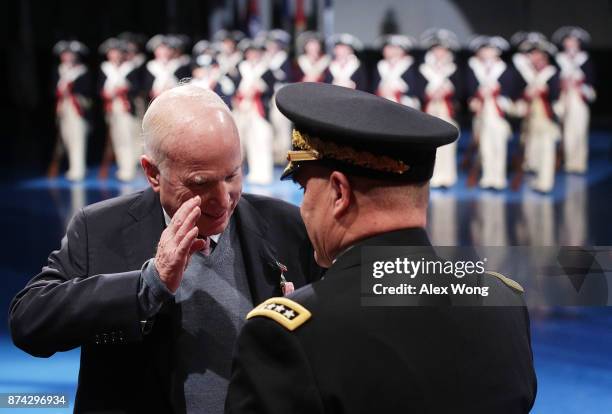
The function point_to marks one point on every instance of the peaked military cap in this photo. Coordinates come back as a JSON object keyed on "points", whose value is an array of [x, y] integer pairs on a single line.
{"points": [[360, 133]]}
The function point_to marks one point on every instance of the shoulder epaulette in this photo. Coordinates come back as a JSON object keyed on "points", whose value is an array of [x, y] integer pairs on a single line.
{"points": [[509, 282], [286, 312]]}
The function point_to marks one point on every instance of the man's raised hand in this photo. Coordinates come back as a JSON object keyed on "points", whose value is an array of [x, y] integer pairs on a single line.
{"points": [[177, 243]]}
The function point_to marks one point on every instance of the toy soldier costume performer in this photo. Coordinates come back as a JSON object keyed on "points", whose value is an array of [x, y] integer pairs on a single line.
{"points": [[162, 72], [540, 132], [180, 46], [255, 88], [312, 63], [346, 69], [206, 72], [440, 96], [277, 44], [489, 83], [135, 43], [577, 93], [396, 76], [229, 55], [73, 91], [117, 85]]}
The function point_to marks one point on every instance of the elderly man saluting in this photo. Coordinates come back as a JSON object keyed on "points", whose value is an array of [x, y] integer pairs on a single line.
{"points": [[154, 286], [364, 163]]}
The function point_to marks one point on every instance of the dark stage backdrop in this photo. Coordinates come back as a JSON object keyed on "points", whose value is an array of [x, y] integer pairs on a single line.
{"points": [[30, 28]]}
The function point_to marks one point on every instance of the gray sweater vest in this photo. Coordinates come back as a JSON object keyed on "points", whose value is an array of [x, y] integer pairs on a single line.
{"points": [[212, 302]]}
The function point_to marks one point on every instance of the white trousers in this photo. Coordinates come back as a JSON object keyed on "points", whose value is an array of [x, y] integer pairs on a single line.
{"points": [[493, 145], [256, 137], [282, 134], [445, 169], [545, 148], [575, 133], [122, 127], [530, 162], [541, 135], [73, 130]]}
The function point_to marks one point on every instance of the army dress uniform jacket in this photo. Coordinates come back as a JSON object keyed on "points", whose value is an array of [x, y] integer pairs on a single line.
{"points": [[87, 295], [347, 358]]}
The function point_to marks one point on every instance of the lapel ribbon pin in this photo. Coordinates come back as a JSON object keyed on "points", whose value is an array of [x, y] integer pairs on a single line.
{"points": [[286, 287]]}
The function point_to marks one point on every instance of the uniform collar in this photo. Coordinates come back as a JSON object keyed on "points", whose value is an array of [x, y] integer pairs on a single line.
{"points": [[350, 257]]}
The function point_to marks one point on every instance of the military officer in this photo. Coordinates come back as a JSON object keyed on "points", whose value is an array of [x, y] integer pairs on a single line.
{"points": [[364, 164]]}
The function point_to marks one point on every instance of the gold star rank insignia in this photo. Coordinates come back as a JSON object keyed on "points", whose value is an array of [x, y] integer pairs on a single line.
{"points": [[284, 311]]}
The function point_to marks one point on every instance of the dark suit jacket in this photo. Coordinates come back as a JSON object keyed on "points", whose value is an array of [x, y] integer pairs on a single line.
{"points": [[349, 358], [87, 294]]}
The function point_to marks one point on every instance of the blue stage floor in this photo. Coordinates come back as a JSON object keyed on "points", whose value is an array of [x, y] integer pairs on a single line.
{"points": [[572, 346]]}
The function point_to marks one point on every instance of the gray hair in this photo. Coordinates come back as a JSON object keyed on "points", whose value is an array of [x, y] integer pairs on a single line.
{"points": [[155, 124]]}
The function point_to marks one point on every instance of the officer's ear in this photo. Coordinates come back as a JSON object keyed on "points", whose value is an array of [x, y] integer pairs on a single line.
{"points": [[151, 171], [341, 193]]}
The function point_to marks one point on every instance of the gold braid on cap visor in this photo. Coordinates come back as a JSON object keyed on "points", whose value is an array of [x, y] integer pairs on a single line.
{"points": [[307, 148]]}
